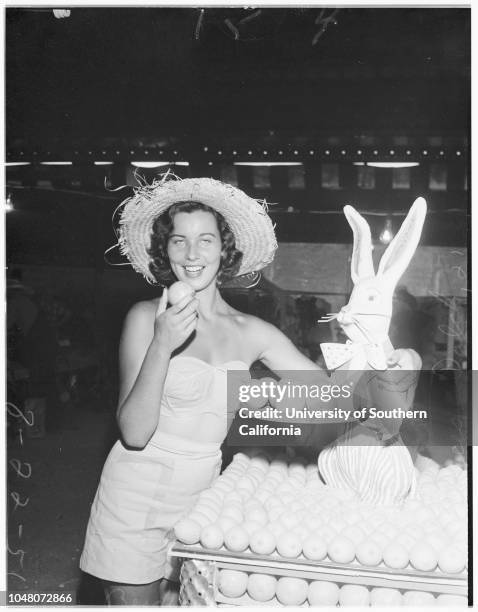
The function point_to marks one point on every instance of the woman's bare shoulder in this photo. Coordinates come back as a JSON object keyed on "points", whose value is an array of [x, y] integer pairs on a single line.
{"points": [[144, 311]]}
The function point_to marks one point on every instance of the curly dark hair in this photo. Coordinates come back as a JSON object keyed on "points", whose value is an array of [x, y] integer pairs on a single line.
{"points": [[160, 266]]}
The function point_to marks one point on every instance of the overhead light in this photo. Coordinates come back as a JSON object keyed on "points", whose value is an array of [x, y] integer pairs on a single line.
{"points": [[9, 203], [103, 163], [268, 164], [387, 164], [386, 234], [157, 164], [61, 13], [149, 164], [17, 163], [57, 163]]}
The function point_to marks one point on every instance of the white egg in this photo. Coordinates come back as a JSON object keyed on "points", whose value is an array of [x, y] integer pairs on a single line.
{"points": [[354, 533], [187, 531], [288, 519], [291, 591], [245, 483], [300, 531], [262, 496], [261, 587], [236, 539], [323, 593], [368, 553], [424, 514], [252, 504], [389, 530], [258, 515], [418, 599], [232, 496], [276, 528], [437, 540], [234, 472], [341, 549], [354, 517], [206, 510], [200, 518], [223, 487], [233, 513], [179, 290], [296, 505], [423, 557], [244, 494], [275, 513], [288, 545], [314, 547], [251, 526], [380, 539], [451, 560], [385, 597], [262, 542], [313, 522], [354, 595], [451, 601], [260, 463], [395, 555], [225, 523], [212, 537], [414, 530], [241, 458], [232, 583]]}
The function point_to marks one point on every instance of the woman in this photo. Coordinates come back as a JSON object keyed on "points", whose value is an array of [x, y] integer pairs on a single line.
{"points": [[173, 366]]}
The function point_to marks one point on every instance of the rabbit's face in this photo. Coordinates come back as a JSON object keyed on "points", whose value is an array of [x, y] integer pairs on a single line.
{"points": [[367, 315]]}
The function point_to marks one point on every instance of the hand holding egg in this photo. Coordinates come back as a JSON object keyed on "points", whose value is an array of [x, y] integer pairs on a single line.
{"points": [[173, 326], [178, 291]]}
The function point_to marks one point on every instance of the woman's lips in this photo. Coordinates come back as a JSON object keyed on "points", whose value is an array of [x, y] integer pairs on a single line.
{"points": [[193, 270]]}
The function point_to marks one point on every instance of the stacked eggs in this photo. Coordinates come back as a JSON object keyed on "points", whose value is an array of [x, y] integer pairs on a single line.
{"points": [[290, 591], [281, 508]]}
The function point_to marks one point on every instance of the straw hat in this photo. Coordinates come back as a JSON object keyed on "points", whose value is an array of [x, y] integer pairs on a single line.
{"points": [[246, 217]]}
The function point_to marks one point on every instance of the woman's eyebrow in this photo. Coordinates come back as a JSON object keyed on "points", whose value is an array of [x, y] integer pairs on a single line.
{"points": [[175, 235]]}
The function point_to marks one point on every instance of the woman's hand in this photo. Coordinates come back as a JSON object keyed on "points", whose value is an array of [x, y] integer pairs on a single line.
{"points": [[173, 326]]}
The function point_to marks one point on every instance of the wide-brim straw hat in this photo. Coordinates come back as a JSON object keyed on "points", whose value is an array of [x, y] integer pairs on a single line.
{"points": [[247, 218]]}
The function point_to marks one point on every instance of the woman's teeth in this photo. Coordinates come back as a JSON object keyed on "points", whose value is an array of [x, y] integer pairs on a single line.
{"points": [[193, 269]]}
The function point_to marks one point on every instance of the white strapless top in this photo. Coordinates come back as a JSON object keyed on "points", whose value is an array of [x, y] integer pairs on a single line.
{"points": [[195, 399]]}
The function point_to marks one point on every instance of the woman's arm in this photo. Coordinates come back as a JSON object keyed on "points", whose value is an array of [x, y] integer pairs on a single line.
{"points": [[150, 335], [280, 355]]}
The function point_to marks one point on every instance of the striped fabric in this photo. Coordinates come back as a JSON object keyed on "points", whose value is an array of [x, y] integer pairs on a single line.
{"points": [[377, 473]]}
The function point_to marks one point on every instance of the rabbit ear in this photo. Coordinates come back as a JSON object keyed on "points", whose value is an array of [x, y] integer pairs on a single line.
{"points": [[362, 262], [400, 251]]}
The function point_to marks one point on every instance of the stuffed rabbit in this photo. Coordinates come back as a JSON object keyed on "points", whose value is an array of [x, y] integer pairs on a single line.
{"points": [[367, 457]]}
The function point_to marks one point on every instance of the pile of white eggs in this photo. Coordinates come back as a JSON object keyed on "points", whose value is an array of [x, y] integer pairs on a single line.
{"points": [[282, 508], [290, 591]]}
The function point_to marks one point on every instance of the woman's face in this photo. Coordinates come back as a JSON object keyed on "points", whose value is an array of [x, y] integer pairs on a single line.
{"points": [[194, 248]]}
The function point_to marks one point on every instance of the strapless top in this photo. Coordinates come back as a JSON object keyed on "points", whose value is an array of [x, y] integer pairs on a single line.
{"points": [[195, 401]]}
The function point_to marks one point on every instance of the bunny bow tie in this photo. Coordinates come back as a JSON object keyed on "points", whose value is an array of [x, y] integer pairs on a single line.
{"points": [[337, 354]]}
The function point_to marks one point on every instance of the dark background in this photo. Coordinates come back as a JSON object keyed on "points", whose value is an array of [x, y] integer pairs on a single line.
{"points": [[164, 83]]}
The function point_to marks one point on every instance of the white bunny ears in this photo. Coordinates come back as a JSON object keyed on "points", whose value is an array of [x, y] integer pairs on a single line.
{"points": [[398, 253]]}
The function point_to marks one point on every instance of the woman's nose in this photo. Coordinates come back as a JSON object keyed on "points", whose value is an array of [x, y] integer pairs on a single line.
{"points": [[191, 252]]}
